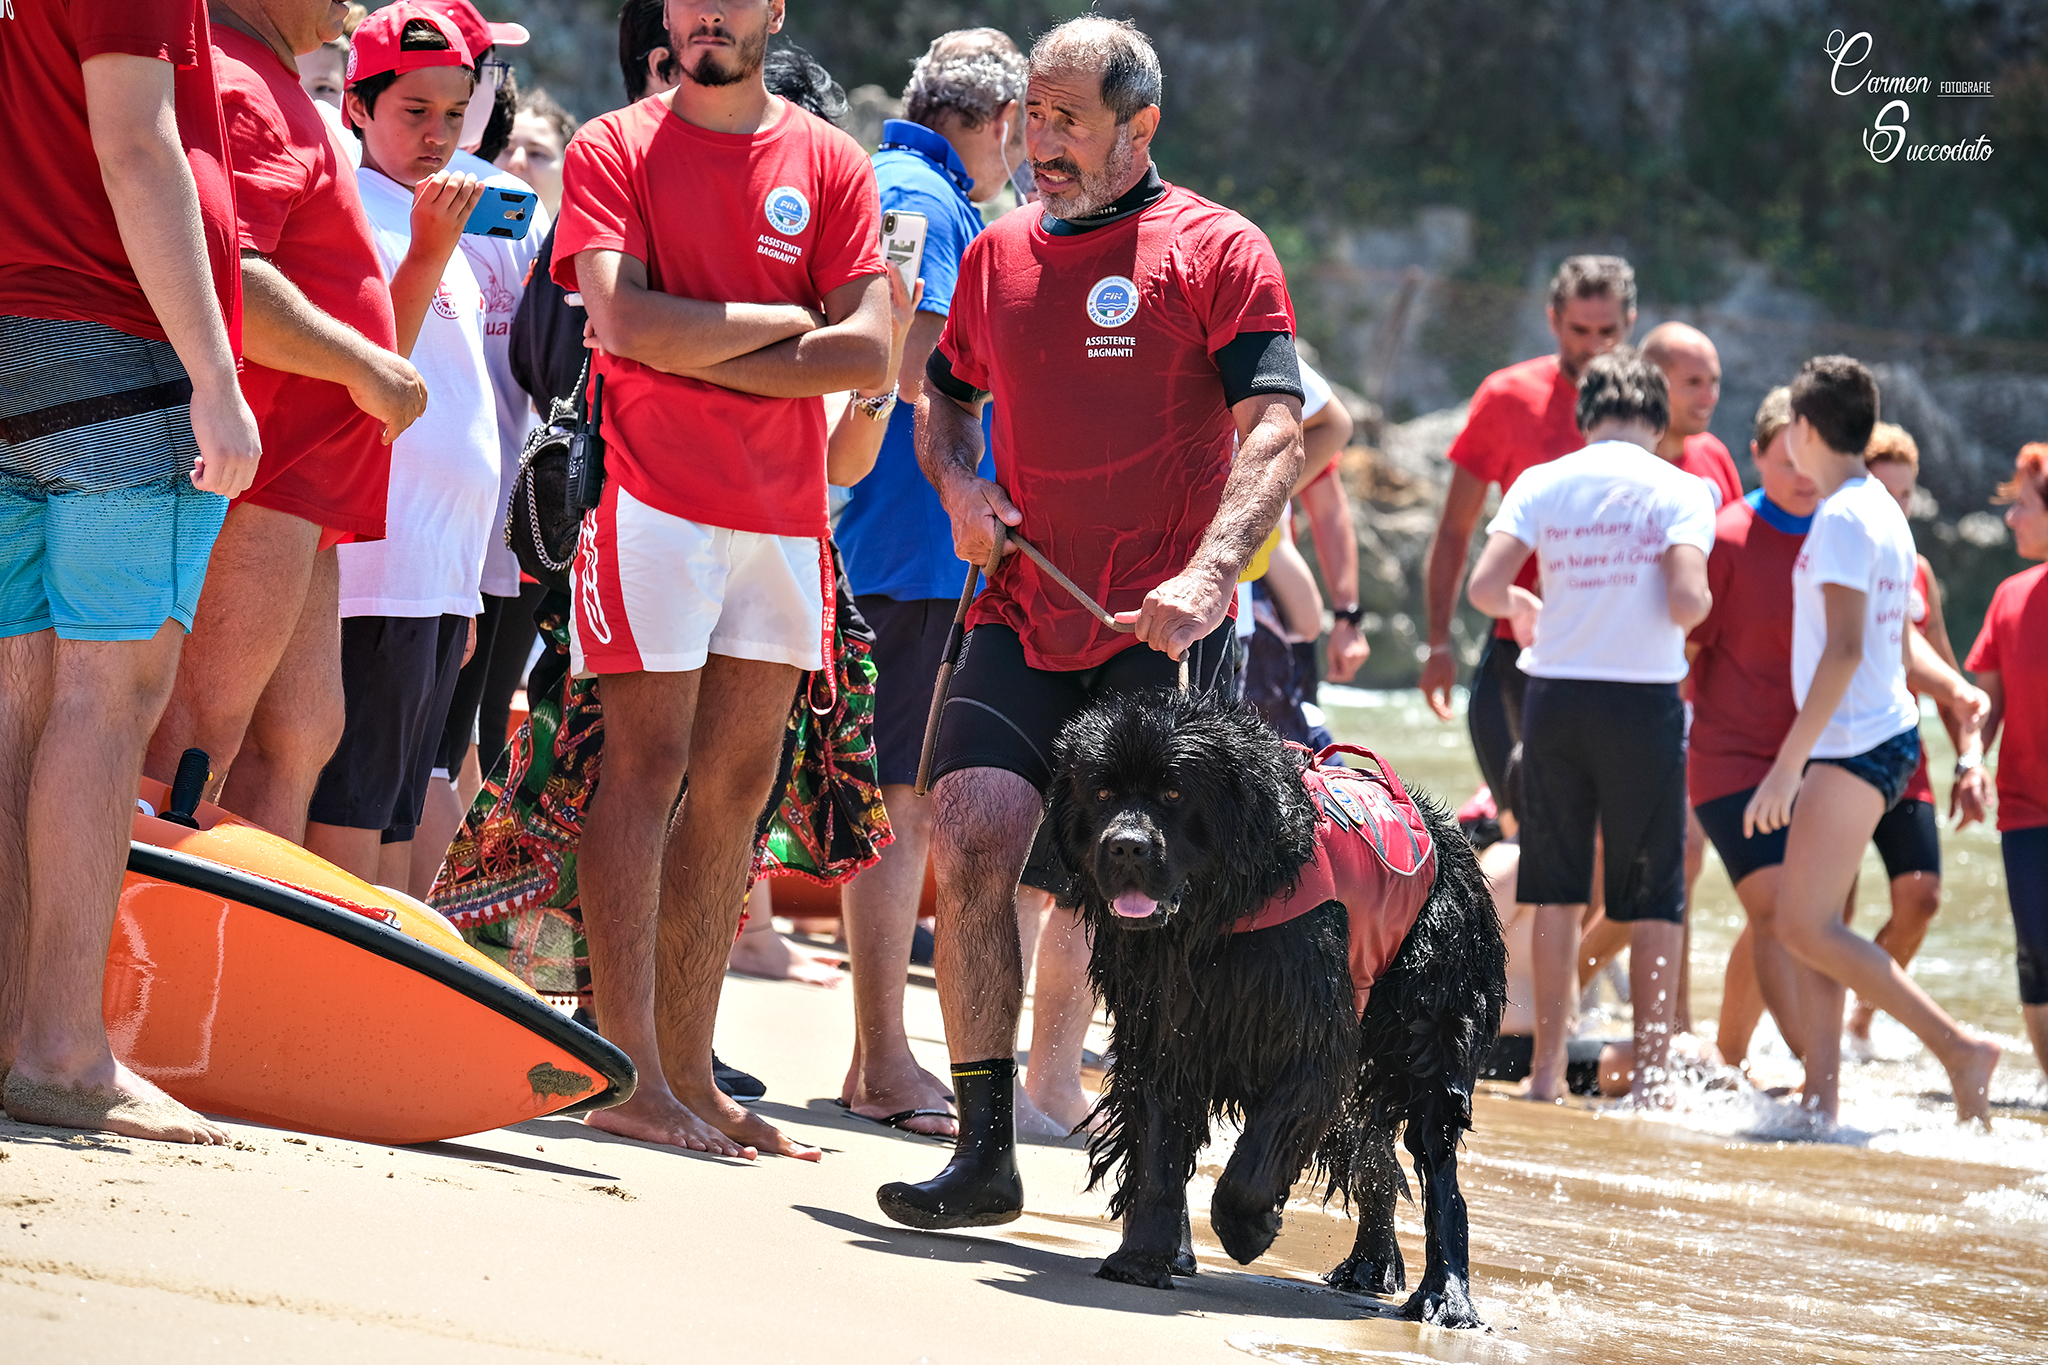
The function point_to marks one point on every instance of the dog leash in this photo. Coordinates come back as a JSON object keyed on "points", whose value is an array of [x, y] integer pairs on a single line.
{"points": [[958, 634]]}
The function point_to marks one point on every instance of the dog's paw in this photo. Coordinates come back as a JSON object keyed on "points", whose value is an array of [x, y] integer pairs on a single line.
{"points": [[1140, 1268], [1361, 1274], [1183, 1262], [1245, 1223], [1446, 1305]]}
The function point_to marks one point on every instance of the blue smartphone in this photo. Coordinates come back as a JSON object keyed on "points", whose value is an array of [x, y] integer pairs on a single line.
{"points": [[502, 213]]}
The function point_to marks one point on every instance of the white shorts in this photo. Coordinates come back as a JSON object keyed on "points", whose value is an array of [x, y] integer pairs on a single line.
{"points": [[658, 593]]}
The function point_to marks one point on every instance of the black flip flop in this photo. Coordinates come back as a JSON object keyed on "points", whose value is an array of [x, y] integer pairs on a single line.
{"points": [[899, 1121]]}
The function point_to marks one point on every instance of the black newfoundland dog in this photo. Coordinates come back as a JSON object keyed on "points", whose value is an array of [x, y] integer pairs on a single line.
{"points": [[1177, 817]]}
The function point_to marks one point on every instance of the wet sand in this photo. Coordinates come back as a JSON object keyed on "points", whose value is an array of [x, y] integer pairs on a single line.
{"points": [[1597, 1236]]}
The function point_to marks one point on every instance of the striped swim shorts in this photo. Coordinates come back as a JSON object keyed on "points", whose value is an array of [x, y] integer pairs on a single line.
{"points": [[102, 535]]}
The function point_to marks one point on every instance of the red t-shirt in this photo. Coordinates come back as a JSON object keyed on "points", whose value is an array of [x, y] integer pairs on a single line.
{"points": [[1111, 432], [60, 250], [783, 216], [324, 459], [1742, 680], [1522, 416], [1706, 458], [2014, 645]]}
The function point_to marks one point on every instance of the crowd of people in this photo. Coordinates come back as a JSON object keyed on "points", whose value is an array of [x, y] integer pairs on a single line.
{"points": [[264, 398]]}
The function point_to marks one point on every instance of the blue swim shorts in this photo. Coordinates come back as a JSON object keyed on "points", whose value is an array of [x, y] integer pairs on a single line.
{"points": [[102, 535]]}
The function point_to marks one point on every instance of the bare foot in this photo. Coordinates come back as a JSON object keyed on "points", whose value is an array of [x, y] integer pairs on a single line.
{"points": [[740, 1124], [767, 954], [875, 1093], [1035, 1122], [1541, 1089], [660, 1118], [1068, 1106], [1972, 1081], [128, 1106]]}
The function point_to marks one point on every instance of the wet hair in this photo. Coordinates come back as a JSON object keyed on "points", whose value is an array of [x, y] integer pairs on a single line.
{"points": [[1117, 48], [1891, 443], [504, 108], [1594, 277], [1773, 415], [970, 73], [800, 78], [1839, 397], [2029, 470], [417, 36], [538, 103], [643, 27], [1621, 386]]}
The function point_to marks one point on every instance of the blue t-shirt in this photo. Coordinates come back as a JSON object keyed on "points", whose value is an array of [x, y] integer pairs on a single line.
{"points": [[894, 534]]}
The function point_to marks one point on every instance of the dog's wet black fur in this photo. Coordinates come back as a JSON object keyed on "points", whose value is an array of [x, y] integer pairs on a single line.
{"points": [[1192, 803]]}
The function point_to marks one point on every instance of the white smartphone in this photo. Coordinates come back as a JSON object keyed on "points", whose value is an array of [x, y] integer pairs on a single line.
{"points": [[903, 245]]}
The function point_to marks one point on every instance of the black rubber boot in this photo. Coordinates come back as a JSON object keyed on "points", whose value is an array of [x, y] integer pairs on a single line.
{"points": [[980, 1186]]}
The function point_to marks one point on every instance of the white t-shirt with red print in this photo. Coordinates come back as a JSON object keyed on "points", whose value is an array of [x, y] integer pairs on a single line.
{"points": [[444, 468], [1859, 539], [1600, 522]]}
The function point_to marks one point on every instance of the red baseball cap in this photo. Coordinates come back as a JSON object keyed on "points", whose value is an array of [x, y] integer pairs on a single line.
{"points": [[374, 47], [477, 31]]}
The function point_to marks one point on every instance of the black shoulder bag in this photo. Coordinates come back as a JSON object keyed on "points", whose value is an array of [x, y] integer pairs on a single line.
{"points": [[561, 476]]}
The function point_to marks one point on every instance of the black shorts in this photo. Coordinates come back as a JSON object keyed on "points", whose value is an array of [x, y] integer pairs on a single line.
{"points": [[1610, 754], [459, 727], [1888, 766], [2026, 887], [1493, 715], [397, 676], [1721, 818], [1908, 838], [910, 640], [1003, 713]]}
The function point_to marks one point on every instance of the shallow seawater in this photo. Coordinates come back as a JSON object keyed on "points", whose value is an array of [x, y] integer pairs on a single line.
{"points": [[1730, 1230]]}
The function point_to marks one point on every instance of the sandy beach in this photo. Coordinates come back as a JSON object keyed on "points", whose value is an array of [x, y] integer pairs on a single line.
{"points": [[1596, 1237]]}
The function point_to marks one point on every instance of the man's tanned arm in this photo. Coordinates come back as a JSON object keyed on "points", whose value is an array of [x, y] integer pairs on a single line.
{"points": [[129, 106], [1194, 602], [678, 335], [282, 329], [851, 351], [1464, 500], [949, 451]]}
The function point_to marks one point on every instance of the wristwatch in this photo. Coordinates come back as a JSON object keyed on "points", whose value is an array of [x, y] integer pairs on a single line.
{"points": [[876, 409], [1350, 615], [1966, 763]]}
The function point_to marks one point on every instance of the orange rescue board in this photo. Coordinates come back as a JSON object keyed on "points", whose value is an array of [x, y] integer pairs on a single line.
{"points": [[253, 980]]}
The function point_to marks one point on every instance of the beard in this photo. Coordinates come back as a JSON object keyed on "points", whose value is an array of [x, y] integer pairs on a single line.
{"points": [[713, 70], [1092, 193]]}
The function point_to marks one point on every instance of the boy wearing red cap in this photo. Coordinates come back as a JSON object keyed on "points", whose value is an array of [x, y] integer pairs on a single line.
{"points": [[407, 601], [727, 247]]}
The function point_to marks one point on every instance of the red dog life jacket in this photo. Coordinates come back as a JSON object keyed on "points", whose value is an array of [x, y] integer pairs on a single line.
{"points": [[1373, 853]]}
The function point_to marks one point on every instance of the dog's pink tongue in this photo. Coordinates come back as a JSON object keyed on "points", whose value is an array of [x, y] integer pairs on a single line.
{"points": [[1131, 905]]}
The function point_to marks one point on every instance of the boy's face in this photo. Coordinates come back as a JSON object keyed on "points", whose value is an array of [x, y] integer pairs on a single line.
{"points": [[418, 122], [1897, 479], [1783, 483]]}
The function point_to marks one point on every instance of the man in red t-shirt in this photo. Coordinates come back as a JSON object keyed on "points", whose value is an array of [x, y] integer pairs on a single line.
{"points": [[259, 686], [727, 246], [1692, 369], [1520, 417], [1129, 332], [122, 435]]}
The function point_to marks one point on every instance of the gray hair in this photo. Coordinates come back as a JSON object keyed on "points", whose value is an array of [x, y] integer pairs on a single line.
{"points": [[1621, 386], [1594, 277], [971, 73], [1115, 47]]}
